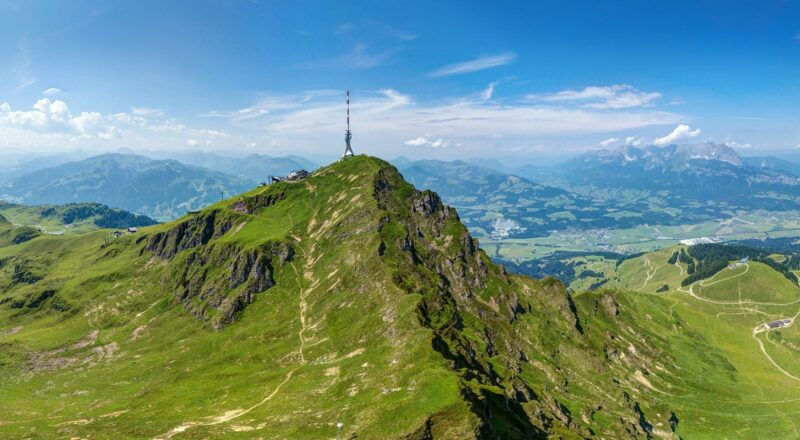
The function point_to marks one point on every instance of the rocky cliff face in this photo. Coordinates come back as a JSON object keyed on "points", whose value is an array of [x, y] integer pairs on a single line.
{"points": [[485, 322], [215, 281]]}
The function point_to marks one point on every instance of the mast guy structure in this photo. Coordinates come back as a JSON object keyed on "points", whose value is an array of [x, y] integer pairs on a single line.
{"points": [[348, 151]]}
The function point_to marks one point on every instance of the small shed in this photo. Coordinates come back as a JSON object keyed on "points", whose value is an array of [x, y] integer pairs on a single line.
{"points": [[132, 230]]}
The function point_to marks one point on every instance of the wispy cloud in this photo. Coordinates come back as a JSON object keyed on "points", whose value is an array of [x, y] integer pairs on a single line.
{"points": [[343, 29], [681, 132], [734, 144], [383, 121], [482, 63], [389, 119], [52, 91], [601, 97], [146, 111], [25, 78], [358, 58], [489, 91]]}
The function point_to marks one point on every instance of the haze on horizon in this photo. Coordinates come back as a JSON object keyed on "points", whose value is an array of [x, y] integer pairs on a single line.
{"points": [[510, 79]]}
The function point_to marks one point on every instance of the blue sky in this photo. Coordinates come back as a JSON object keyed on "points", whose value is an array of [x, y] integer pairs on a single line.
{"points": [[430, 79]]}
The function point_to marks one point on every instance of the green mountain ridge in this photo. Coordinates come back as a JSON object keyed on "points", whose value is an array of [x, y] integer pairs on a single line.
{"points": [[346, 297]]}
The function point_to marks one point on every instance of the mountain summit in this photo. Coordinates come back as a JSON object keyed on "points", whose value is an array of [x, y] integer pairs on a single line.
{"points": [[345, 297]]}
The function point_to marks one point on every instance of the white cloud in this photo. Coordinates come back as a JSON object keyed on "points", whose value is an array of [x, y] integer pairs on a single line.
{"points": [[616, 96], [426, 142], [384, 119], [489, 91], [681, 132], [50, 124], [608, 142], [86, 121], [56, 110], [734, 144], [482, 63], [146, 111], [110, 133], [633, 141], [52, 91], [383, 122], [192, 142]]}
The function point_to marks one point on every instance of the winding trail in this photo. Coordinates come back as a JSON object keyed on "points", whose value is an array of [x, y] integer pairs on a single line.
{"points": [[677, 263], [764, 328], [650, 271], [228, 416], [760, 328]]}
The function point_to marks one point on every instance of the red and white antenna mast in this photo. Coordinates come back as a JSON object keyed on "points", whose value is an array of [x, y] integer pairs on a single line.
{"points": [[348, 151]]}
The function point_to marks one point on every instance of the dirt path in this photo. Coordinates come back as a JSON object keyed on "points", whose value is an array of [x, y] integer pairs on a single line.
{"points": [[231, 415], [650, 271], [764, 328], [677, 263], [760, 328], [740, 302]]}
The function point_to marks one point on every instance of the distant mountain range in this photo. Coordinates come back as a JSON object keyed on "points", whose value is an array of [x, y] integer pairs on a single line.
{"points": [[691, 182], [615, 188], [494, 203], [255, 167], [159, 189]]}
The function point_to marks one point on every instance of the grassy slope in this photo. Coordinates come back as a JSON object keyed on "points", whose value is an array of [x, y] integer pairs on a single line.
{"points": [[176, 371], [738, 391], [343, 336], [32, 216]]}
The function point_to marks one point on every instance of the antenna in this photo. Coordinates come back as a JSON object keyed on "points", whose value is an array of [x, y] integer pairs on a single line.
{"points": [[348, 151]]}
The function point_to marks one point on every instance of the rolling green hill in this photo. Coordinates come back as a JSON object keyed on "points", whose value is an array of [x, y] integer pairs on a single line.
{"points": [[732, 310], [352, 297], [71, 218]]}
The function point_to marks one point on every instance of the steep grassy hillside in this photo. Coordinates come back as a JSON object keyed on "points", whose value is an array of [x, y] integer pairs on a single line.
{"points": [[351, 296]]}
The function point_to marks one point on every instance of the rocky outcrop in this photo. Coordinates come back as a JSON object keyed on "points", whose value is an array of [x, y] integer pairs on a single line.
{"points": [[250, 205], [435, 256], [216, 283], [196, 231]]}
